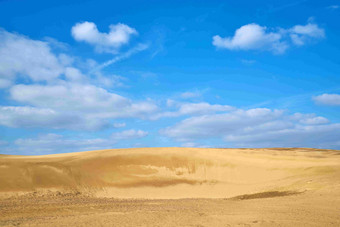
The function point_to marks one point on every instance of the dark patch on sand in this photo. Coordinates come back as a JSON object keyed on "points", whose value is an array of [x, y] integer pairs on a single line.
{"points": [[263, 195]]}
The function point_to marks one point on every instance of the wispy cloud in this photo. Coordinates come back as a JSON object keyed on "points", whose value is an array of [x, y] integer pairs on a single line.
{"points": [[333, 7], [129, 134], [248, 61], [190, 94], [140, 47]]}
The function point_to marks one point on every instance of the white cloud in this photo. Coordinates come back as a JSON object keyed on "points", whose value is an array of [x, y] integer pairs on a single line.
{"points": [[211, 125], [110, 80], [189, 94], [134, 50], [189, 144], [333, 7], [83, 98], [68, 96], [202, 108], [54, 143], [3, 143], [96, 77], [318, 136], [256, 37], [301, 34], [59, 94], [252, 37], [315, 121], [248, 61], [21, 56], [119, 125], [171, 103], [118, 35], [74, 74], [68, 91], [191, 109], [31, 117], [309, 29], [129, 134], [259, 127], [5, 83], [65, 59], [56, 44], [328, 99], [309, 119]]}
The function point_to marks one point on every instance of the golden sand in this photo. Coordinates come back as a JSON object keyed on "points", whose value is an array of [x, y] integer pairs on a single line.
{"points": [[172, 187]]}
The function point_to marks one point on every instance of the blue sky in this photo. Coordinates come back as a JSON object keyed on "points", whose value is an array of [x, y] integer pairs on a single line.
{"points": [[84, 75]]}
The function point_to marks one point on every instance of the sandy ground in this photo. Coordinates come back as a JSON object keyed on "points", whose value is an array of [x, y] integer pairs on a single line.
{"points": [[172, 187]]}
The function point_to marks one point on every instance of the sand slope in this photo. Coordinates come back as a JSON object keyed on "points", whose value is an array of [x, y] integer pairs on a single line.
{"points": [[172, 172], [246, 187]]}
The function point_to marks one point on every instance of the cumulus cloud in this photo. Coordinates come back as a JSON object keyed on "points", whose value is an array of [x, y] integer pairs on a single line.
{"points": [[21, 56], [260, 127], [257, 37], [328, 99], [118, 35], [251, 37]]}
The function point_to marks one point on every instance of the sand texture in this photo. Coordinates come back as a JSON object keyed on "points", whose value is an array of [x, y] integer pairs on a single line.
{"points": [[172, 187]]}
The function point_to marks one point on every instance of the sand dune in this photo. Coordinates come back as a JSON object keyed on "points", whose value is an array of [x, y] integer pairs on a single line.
{"points": [[169, 172], [230, 176]]}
